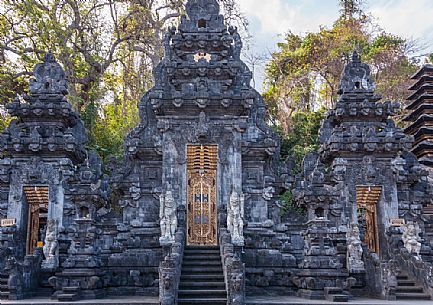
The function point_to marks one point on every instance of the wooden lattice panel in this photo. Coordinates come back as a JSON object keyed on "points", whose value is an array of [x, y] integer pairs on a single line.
{"points": [[366, 195], [37, 195], [202, 200]]}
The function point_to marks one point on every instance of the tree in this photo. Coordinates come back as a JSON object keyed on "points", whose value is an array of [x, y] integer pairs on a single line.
{"points": [[350, 8], [304, 137], [108, 49], [90, 38], [304, 74]]}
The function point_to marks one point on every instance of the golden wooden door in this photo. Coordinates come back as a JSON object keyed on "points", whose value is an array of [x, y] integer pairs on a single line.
{"points": [[202, 198]]}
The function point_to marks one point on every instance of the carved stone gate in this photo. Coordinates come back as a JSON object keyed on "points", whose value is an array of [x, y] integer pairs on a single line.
{"points": [[37, 200]]}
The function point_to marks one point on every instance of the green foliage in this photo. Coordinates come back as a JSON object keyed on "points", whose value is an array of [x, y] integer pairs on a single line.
{"points": [[4, 121], [289, 204], [107, 48], [305, 72], [349, 8], [111, 128], [431, 58], [304, 137]]}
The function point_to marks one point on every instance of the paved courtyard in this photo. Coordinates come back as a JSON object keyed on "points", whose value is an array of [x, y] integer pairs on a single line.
{"points": [[250, 301]]}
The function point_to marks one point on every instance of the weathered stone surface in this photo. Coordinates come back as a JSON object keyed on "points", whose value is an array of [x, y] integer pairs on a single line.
{"points": [[126, 234], [361, 149]]}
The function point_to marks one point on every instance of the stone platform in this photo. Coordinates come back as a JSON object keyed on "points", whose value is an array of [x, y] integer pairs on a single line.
{"points": [[250, 301]]}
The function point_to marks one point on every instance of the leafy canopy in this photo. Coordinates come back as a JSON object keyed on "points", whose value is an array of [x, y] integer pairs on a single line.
{"points": [[304, 73], [107, 48]]}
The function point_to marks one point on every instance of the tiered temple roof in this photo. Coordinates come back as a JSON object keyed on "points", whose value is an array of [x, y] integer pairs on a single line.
{"points": [[421, 115]]}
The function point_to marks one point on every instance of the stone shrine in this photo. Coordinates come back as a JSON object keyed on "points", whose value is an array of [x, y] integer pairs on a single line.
{"points": [[193, 214]]}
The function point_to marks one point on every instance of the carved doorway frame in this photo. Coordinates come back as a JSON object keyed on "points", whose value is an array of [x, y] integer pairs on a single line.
{"points": [[202, 195]]}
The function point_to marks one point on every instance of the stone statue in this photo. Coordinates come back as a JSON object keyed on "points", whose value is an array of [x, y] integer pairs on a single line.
{"points": [[339, 168], [237, 48], [168, 218], [354, 249], [51, 246], [411, 238], [235, 221]]}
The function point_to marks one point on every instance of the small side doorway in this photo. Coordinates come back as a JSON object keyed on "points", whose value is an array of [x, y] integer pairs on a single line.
{"points": [[37, 200]]}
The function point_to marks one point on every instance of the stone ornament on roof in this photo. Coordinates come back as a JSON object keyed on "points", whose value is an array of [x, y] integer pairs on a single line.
{"points": [[356, 77], [202, 16], [197, 9], [49, 77]]}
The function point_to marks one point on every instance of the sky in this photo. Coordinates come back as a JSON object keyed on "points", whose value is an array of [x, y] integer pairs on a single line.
{"points": [[269, 20]]}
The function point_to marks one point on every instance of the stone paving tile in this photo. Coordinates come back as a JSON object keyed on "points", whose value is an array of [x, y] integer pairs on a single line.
{"points": [[299, 301], [108, 301], [250, 301]]}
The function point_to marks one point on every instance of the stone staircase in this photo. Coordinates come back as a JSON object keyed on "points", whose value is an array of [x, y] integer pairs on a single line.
{"points": [[202, 278], [335, 294], [69, 294], [4, 289], [407, 289]]}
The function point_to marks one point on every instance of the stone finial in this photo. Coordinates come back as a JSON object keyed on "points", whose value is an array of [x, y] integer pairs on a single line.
{"points": [[356, 77], [197, 9], [49, 77]]}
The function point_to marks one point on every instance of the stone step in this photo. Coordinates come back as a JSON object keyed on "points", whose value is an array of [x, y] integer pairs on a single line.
{"points": [[402, 277], [203, 301], [338, 298], [412, 296], [202, 293], [202, 257], [186, 285], [333, 290], [410, 289], [335, 294], [71, 289], [67, 297], [202, 263], [202, 248], [202, 277], [202, 252], [201, 270], [405, 283], [4, 295]]}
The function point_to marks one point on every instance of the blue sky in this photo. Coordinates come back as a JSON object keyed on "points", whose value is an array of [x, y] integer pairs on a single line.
{"points": [[271, 19]]}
